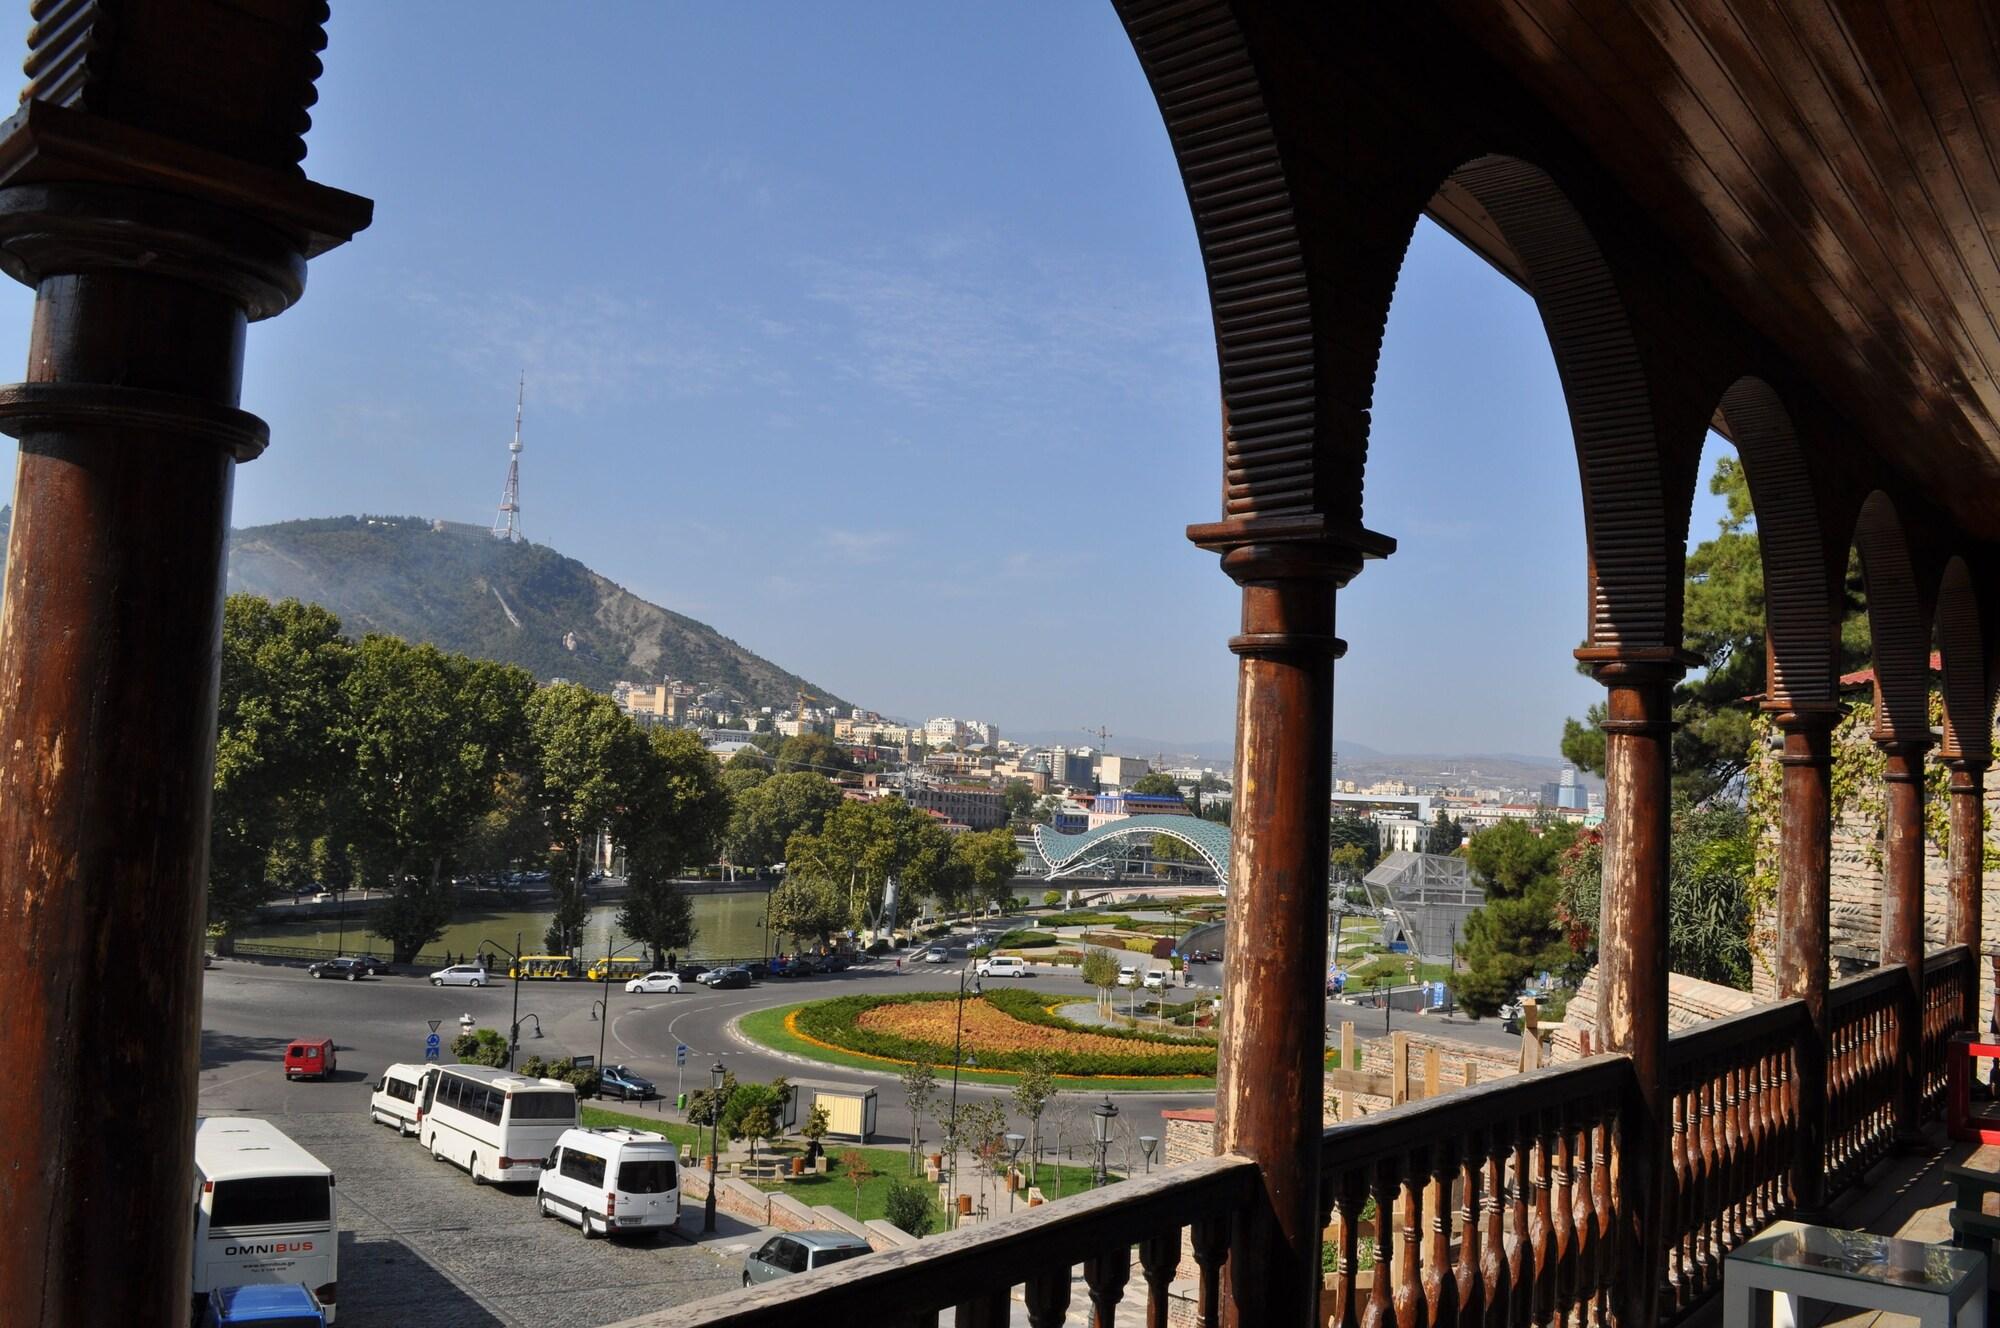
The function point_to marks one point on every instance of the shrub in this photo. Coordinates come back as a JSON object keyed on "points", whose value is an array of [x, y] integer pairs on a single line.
{"points": [[878, 946], [909, 1207], [485, 1047], [1052, 898]]}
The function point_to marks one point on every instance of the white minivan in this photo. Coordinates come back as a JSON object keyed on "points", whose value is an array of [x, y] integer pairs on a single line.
{"points": [[397, 1094], [263, 1211], [1128, 976], [612, 1182], [1003, 966]]}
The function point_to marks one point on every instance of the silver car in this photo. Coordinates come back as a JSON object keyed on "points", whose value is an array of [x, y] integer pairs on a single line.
{"points": [[800, 1252], [459, 975]]}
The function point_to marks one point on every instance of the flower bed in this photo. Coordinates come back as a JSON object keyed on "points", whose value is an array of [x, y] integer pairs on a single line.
{"points": [[1006, 1030]]}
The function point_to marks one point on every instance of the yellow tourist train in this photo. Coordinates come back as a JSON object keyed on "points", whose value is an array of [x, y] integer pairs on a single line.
{"points": [[554, 967], [619, 969]]}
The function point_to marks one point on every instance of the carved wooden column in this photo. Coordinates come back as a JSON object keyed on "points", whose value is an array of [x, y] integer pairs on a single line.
{"points": [[1632, 941], [149, 254], [1269, 1079], [1903, 914], [1965, 922], [1804, 888]]}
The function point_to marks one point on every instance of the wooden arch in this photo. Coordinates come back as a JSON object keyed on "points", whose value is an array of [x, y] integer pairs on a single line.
{"points": [[1968, 701], [1802, 575], [1897, 622]]}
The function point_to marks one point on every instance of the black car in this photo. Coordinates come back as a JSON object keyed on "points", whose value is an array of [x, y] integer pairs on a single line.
{"points": [[337, 968], [834, 963], [726, 979], [625, 1083], [692, 972], [372, 965]]}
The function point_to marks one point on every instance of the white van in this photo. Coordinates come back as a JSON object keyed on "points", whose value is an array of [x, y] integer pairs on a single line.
{"points": [[1003, 966], [1128, 976], [496, 1124], [611, 1182], [397, 1092], [263, 1211]]}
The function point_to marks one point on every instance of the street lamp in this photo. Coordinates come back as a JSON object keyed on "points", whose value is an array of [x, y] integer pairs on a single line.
{"points": [[514, 1036], [1013, 1142], [604, 1024], [1101, 1117], [1149, 1144], [715, 1075]]}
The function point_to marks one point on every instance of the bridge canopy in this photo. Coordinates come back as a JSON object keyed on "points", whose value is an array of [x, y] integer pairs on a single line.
{"points": [[1068, 855]]}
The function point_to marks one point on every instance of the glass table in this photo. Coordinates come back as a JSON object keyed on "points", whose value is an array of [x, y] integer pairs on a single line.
{"points": [[1764, 1279]]}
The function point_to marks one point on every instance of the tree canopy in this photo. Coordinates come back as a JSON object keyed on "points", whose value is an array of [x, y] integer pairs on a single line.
{"points": [[1516, 933]]}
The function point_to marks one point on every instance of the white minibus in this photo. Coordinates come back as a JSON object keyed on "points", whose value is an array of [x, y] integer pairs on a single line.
{"points": [[612, 1182], [263, 1211], [394, 1101], [496, 1124]]}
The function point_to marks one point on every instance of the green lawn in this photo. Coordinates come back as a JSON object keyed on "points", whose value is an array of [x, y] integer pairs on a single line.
{"points": [[1393, 967], [688, 1137], [768, 1028]]}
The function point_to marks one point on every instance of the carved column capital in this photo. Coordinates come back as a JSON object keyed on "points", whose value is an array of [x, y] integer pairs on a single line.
{"points": [[1639, 681], [1289, 569], [1808, 728], [1903, 758]]}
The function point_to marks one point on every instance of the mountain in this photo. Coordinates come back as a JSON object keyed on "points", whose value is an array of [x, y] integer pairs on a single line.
{"points": [[460, 589]]}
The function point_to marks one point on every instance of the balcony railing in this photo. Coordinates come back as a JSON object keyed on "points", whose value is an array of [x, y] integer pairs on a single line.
{"points": [[1499, 1203], [1951, 985]]}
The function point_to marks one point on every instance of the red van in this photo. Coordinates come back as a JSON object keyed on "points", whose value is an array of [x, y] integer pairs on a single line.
{"points": [[310, 1058]]}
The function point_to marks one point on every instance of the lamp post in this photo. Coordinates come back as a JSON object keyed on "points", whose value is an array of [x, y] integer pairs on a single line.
{"points": [[604, 1024], [513, 1037], [715, 1121], [957, 1054], [1148, 1144], [1013, 1142], [1101, 1117]]}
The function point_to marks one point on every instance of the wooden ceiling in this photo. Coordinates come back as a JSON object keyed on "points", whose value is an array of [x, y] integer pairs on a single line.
{"points": [[1833, 166]]}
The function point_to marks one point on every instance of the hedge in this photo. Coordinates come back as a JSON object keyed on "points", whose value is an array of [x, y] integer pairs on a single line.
{"points": [[836, 1022]]}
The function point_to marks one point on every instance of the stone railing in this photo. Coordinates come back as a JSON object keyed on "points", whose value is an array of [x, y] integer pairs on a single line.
{"points": [[974, 1270], [1863, 1015], [1733, 1120], [1520, 1168]]}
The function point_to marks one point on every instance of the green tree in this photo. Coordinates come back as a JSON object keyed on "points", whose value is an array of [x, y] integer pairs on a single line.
{"points": [[813, 751], [1033, 1092], [1019, 800], [592, 760], [982, 868], [1348, 829], [854, 1166], [1052, 898], [1045, 809], [909, 1207], [919, 1082], [1100, 970], [483, 1047], [1348, 863], [675, 818], [808, 905], [863, 844], [1708, 896], [764, 817], [1157, 783], [1517, 932], [278, 754], [757, 1123], [818, 1122], [1445, 835], [430, 735]]}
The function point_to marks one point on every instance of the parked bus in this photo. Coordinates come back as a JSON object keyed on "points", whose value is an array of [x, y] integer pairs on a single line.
{"points": [[263, 1211], [554, 967], [619, 969], [496, 1124]]}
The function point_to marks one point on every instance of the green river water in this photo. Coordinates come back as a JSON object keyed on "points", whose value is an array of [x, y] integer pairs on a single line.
{"points": [[730, 925]]}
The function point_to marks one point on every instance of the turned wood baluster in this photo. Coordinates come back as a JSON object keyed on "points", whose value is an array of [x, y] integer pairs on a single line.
{"points": [[1467, 1275], [1159, 1259], [1415, 1174], [1729, 1230], [1440, 1283], [1604, 1150], [1576, 1193], [1349, 1203], [1541, 1229], [1756, 1116], [989, 1309], [1679, 1247], [1555, 1142], [1381, 1312], [1708, 1197], [1047, 1292], [1105, 1273], [1836, 1104], [1209, 1237], [1520, 1245], [1791, 1110], [1495, 1291]]}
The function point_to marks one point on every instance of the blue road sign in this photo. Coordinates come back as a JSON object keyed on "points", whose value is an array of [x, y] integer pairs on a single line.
{"points": [[680, 1054], [431, 1052]]}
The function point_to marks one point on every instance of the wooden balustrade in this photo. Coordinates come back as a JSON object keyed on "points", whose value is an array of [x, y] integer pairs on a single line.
{"points": [[974, 1269], [1731, 1094], [1492, 1205], [1950, 992], [1862, 1025]]}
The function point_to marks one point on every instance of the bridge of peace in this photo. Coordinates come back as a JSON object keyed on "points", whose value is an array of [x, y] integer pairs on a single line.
{"points": [[1780, 221]]}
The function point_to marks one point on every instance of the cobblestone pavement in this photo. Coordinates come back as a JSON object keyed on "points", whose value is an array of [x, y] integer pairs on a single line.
{"points": [[421, 1244]]}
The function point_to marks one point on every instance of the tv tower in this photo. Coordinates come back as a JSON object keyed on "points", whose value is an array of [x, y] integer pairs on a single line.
{"points": [[507, 525]]}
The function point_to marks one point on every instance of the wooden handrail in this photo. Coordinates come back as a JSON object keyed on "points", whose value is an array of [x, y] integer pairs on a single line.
{"points": [[984, 1260], [1784, 1019], [1949, 957], [1399, 1129], [1885, 980]]}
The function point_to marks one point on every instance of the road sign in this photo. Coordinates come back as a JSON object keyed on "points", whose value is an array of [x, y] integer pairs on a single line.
{"points": [[430, 1053], [584, 1062], [434, 1025], [432, 1043], [680, 1054]]}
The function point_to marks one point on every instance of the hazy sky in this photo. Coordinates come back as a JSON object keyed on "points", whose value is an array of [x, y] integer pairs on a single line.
{"points": [[875, 335]]}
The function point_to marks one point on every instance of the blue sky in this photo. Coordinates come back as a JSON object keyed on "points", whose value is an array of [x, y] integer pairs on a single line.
{"points": [[875, 336]]}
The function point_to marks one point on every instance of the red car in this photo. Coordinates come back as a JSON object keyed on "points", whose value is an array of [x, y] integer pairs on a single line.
{"points": [[310, 1058]]}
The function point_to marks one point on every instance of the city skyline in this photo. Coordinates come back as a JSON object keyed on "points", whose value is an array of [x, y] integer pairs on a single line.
{"points": [[897, 370]]}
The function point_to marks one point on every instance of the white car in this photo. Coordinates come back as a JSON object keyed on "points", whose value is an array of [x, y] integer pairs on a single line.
{"points": [[459, 975], [1128, 976], [1156, 979], [1002, 966], [937, 954], [656, 982]]}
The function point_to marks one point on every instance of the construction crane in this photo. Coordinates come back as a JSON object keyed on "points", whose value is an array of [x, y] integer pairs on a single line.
{"points": [[800, 713], [1102, 734]]}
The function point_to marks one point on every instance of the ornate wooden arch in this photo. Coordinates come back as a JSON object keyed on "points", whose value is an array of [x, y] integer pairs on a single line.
{"points": [[1968, 701], [1802, 576], [1897, 622]]}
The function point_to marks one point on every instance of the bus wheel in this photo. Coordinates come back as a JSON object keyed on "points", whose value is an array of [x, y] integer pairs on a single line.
{"points": [[472, 1168]]}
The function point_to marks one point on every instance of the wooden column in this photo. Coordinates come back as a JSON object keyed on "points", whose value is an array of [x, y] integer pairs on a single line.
{"points": [[1903, 914], [1804, 887], [1965, 922], [1632, 943], [145, 278], [1268, 1085]]}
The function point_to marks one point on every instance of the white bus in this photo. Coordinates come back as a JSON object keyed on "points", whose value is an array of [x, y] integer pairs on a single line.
{"points": [[496, 1124], [263, 1211]]}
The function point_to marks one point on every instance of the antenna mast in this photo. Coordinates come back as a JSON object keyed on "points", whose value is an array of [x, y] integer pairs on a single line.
{"points": [[507, 525]]}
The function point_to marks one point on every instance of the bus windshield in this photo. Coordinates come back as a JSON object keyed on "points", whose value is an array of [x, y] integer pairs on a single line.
{"points": [[269, 1200]]}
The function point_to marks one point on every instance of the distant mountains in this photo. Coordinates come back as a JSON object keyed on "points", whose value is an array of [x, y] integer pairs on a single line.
{"points": [[460, 589]]}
